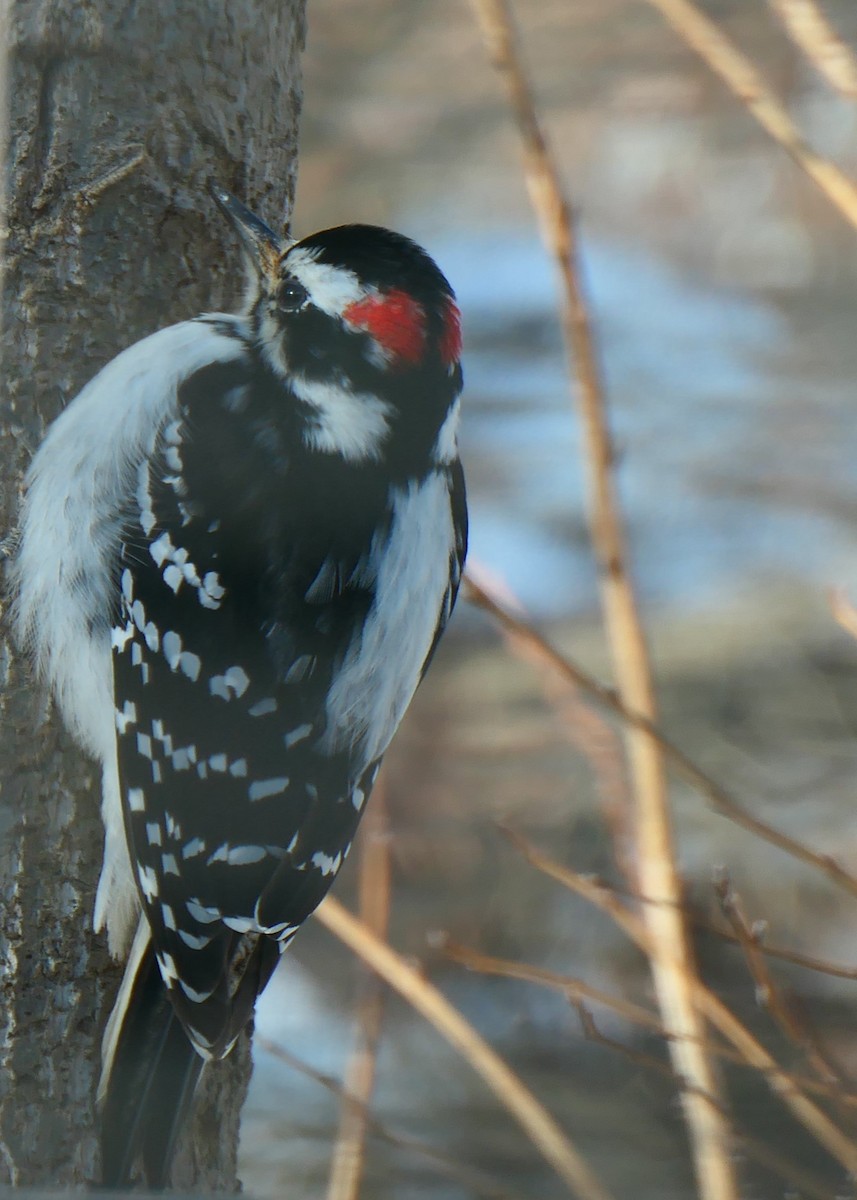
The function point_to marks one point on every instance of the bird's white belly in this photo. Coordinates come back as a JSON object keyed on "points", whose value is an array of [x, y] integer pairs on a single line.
{"points": [[383, 666]]}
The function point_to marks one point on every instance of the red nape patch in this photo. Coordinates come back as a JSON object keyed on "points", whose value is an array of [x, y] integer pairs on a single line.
{"points": [[450, 339], [395, 321]]}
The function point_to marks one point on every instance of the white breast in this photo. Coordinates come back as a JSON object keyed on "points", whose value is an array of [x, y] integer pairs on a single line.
{"points": [[382, 668]]}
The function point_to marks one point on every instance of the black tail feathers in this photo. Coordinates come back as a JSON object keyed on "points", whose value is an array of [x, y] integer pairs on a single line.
{"points": [[149, 1078]]}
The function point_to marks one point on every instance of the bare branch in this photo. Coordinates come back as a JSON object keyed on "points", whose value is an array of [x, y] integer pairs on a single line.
{"points": [[671, 961], [474, 1181], [838, 1145], [744, 81], [536, 1122], [719, 798], [812, 33], [346, 1167]]}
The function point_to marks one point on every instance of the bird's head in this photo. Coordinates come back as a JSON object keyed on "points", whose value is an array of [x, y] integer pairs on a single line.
{"points": [[363, 327]]}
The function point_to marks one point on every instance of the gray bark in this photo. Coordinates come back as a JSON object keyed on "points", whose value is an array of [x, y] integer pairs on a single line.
{"points": [[118, 113]]}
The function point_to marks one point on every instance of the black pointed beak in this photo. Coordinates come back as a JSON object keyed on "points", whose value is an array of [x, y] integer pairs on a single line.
{"points": [[260, 242]]}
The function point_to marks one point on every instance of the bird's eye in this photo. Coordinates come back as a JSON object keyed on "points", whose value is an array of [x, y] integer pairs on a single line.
{"points": [[291, 296]]}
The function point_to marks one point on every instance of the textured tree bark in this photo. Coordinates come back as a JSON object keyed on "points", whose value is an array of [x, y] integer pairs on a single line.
{"points": [[117, 114]]}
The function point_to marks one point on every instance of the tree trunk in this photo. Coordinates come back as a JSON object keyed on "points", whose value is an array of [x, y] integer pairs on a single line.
{"points": [[117, 115]]}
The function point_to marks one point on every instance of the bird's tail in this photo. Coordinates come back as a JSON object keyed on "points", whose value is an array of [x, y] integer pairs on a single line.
{"points": [[149, 1074]]}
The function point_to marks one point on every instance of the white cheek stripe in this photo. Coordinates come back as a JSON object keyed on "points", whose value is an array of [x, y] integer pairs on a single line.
{"points": [[353, 424]]}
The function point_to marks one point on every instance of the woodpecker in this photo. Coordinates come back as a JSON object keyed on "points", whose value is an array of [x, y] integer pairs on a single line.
{"points": [[239, 546]]}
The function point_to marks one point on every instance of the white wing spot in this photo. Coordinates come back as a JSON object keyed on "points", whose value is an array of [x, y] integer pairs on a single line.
{"points": [[153, 833], [167, 964], [182, 758], [326, 864], [201, 912], [238, 768], [194, 996], [148, 882], [211, 591], [119, 637], [161, 549], [217, 762], [169, 917], [127, 716], [190, 665], [240, 856], [173, 577], [297, 735], [169, 866], [144, 499], [144, 745], [136, 800], [195, 942], [263, 707], [240, 924], [263, 788], [172, 649], [191, 575], [233, 680], [193, 847]]}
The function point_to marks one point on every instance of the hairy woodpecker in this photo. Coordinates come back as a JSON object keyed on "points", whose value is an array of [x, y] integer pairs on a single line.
{"points": [[239, 546]]}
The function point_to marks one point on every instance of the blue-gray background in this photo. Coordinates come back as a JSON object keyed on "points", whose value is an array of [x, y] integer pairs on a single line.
{"points": [[722, 290]]}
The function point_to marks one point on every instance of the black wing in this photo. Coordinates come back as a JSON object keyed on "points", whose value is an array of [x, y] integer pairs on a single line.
{"points": [[231, 624]]}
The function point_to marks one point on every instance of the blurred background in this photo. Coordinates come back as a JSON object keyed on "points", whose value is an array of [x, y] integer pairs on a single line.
{"points": [[722, 284]]}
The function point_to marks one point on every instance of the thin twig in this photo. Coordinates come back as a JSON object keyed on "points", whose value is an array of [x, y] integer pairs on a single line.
{"points": [[804, 1182], [812, 33], [718, 797], [474, 1181], [575, 989], [597, 742], [744, 81], [638, 1057], [346, 1168], [533, 1118], [774, 1160], [821, 965], [810, 1116], [671, 961], [768, 993], [577, 992]]}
